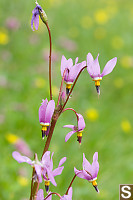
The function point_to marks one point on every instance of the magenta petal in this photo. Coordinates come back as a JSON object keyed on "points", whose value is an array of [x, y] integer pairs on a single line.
{"points": [[80, 173], [76, 60], [95, 156], [49, 111], [40, 195], [95, 169], [70, 191], [38, 171], [62, 161], [46, 157], [36, 21], [69, 126], [17, 156], [57, 171], [90, 61], [86, 165], [81, 122], [96, 67], [50, 197], [109, 66], [42, 110], [51, 177], [69, 135], [63, 64]]}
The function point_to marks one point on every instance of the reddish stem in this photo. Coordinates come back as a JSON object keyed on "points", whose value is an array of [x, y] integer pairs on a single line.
{"points": [[73, 111], [51, 194], [50, 52], [72, 88], [71, 184]]}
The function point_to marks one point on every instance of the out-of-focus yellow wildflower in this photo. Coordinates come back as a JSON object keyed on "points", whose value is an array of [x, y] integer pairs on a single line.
{"points": [[40, 82], [117, 42], [86, 22], [101, 16], [92, 114], [126, 61], [118, 83], [11, 138], [4, 38], [73, 32], [23, 181], [55, 91], [126, 126], [100, 33]]}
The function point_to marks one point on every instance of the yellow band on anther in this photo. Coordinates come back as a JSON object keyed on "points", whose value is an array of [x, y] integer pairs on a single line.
{"points": [[44, 128], [94, 183], [68, 86], [47, 183], [79, 134]]}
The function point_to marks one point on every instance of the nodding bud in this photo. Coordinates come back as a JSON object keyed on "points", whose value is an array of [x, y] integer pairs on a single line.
{"points": [[79, 137], [63, 97], [47, 183], [43, 16]]}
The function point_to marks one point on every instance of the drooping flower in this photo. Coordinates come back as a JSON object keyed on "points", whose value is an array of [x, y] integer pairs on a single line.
{"points": [[48, 172], [38, 11], [89, 171], [93, 68], [76, 129], [71, 71], [43, 167], [35, 16], [46, 111]]}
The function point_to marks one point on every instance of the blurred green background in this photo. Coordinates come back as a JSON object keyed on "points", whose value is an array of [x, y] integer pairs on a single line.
{"points": [[77, 27]]}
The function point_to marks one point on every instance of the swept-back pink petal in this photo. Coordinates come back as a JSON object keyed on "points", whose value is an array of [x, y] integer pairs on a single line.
{"points": [[46, 157], [96, 67], [57, 171], [40, 195], [90, 61], [18, 157], [51, 177], [62, 161], [109, 66], [69, 126], [63, 64], [95, 169], [42, 110], [81, 122], [50, 197], [38, 171], [70, 191], [95, 156], [49, 111], [69, 135], [76, 60], [32, 20], [86, 165], [75, 70]]}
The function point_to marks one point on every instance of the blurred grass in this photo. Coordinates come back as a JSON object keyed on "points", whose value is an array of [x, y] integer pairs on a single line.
{"points": [[97, 26]]}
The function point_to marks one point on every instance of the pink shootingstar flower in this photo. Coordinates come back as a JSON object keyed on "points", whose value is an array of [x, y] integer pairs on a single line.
{"points": [[76, 129], [89, 171], [35, 16], [48, 172], [35, 163], [46, 111], [93, 68], [43, 167], [71, 71]]}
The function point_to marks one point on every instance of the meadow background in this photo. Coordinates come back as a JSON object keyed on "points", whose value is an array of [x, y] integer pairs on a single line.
{"points": [[78, 27]]}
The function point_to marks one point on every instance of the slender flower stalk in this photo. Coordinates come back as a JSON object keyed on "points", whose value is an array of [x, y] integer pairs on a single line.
{"points": [[72, 89], [71, 183]]}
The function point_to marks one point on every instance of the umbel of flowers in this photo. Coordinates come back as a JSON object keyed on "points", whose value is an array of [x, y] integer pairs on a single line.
{"points": [[49, 112]]}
